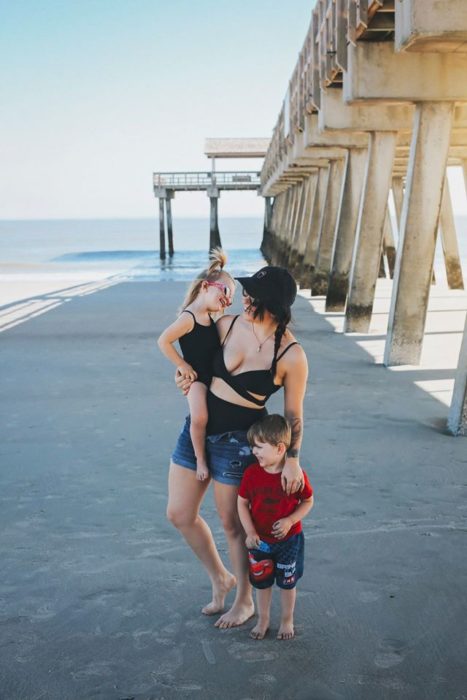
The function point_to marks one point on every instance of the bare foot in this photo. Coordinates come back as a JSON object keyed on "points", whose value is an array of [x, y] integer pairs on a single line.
{"points": [[286, 631], [238, 614], [259, 631], [219, 592]]}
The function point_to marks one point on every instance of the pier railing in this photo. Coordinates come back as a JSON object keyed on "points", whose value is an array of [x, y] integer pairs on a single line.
{"points": [[334, 24], [227, 180]]}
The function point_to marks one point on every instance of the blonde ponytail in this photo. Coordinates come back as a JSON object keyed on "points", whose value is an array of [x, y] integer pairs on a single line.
{"points": [[217, 262]]}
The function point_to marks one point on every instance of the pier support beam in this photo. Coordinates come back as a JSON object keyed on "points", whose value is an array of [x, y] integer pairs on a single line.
{"points": [[457, 419], [346, 228], [417, 238], [214, 235], [310, 186], [449, 241], [267, 226], [161, 229], [370, 228], [317, 216], [168, 209], [389, 245], [320, 275]]}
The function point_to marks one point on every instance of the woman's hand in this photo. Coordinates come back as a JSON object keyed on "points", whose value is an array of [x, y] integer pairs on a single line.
{"points": [[292, 476]]}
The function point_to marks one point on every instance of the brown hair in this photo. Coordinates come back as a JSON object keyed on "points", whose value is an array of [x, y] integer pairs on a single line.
{"points": [[218, 259], [272, 429]]}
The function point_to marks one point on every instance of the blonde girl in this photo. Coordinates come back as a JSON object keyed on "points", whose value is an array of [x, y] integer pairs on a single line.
{"points": [[198, 339]]}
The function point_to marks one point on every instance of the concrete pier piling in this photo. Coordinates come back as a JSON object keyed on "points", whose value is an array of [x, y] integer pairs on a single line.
{"points": [[168, 209], [420, 215], [370, 229], [161, 229], [346, 229], [383, 86]]}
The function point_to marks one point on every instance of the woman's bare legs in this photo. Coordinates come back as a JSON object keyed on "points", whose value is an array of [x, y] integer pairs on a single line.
{"points": [[186, 494], [197, 402], [243, 607]]}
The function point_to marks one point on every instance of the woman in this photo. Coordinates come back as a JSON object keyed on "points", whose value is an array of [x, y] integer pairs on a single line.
{"points": [[258, 356]]}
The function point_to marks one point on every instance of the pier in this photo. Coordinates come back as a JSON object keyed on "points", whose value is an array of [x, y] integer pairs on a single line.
{"points": [[167, 183], [376, 106]]}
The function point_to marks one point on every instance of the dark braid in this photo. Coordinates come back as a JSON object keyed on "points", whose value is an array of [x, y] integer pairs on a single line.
{"points": [[282, 315], [280, 330]]}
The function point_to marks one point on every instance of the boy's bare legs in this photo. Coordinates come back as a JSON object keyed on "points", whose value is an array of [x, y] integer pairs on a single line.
{"points": [[286, 630], [185, 496], [198, 421], [263, 602], [243, 607]]}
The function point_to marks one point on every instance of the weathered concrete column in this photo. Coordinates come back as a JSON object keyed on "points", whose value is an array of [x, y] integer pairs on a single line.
{"points": [[449, 241], [214, 235], [168, 208], [311, 248], [417, 238], [279, 237], [464, 168], [389, 245], [457, 418], [310, 186], [297, 225], [346, 228], [161, 229], [291, 223], [320, 275], [267, 225], [370, 227]]}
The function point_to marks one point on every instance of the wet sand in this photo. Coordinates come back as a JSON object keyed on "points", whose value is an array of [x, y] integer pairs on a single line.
{"points": [[99, 596]]}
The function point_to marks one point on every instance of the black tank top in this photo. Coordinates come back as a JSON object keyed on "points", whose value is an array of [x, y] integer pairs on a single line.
{"points": [[199, 347], [256, 381]]}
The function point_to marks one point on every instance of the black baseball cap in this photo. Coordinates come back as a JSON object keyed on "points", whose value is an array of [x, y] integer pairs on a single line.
{"points": [[274, 284]]}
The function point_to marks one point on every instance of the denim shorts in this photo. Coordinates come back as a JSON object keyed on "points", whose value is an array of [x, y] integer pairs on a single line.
{"points": [[228, 454]]}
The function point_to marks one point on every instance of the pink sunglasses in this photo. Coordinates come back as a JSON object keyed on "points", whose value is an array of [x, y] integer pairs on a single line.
{"points": [[224, 289]]}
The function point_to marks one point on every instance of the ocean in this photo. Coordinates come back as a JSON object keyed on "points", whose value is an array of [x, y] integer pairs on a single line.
{"points": [[87, 248], [93, 249]]}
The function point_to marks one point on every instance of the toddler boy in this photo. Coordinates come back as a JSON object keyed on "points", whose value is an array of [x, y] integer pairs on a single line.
{"points": [[271, 520]]}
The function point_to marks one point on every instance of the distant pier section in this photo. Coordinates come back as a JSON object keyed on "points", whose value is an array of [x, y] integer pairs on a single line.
{"points": [[212, 182]]}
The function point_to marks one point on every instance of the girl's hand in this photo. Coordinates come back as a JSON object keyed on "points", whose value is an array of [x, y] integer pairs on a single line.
{"points": [[253, 541], [281, 528], [186, 371], [182, 383]]}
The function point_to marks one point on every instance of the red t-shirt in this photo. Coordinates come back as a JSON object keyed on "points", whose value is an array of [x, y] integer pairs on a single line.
{"points": [[269, 502]]}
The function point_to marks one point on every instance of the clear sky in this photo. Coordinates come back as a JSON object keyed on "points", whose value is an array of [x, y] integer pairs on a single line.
{"points": [[97, 94]]}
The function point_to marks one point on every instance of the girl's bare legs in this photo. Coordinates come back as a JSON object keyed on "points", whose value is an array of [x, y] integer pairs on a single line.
{"points": [[263, 601], [198, 421], [243, 607], [185, 497], [286, 630]]}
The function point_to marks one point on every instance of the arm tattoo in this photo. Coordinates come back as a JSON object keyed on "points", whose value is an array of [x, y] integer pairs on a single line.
{"points": [[296, 425]]}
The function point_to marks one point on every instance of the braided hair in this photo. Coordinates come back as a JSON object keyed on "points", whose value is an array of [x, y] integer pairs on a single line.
{"points": [[282, 314]]}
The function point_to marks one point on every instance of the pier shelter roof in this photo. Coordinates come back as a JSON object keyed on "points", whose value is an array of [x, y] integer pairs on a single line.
{"points": [[236, 148]]}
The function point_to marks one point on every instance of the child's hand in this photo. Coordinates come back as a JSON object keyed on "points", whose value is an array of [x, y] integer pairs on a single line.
{"points": [[252, 541], [186, 371], [281, 528]]}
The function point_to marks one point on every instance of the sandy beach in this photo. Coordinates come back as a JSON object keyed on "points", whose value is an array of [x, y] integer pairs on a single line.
{"points": [[100, 598]]}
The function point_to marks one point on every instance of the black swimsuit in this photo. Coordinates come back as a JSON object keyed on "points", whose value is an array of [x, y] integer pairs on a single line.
{"points": [[199, 347], [225, 416]]}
